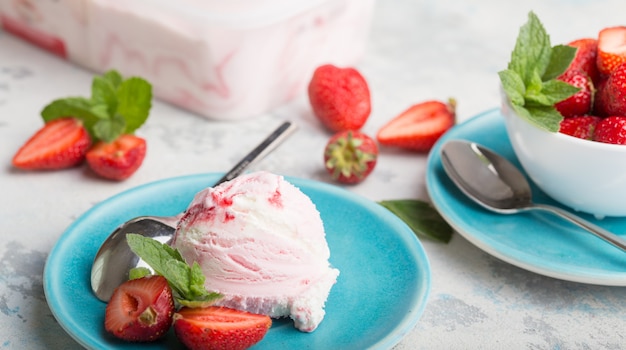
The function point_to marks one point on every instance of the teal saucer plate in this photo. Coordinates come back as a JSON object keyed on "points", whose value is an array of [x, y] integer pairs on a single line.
{"points": [[536, 241], [379, 296]]}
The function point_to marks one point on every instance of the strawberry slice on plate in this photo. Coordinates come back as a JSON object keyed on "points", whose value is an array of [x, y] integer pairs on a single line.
{"points": [[611, 49], [140, 310], [216, 327], [419, 127], [60, 143], [119, 159]]}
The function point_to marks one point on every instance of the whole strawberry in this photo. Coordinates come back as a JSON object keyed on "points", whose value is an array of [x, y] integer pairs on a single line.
{"points": [[581, 102], [215, 327], [140, 310], [611, 130], [350, 156], [582, 127], [611, 95], [339, 97], [586, 57]]}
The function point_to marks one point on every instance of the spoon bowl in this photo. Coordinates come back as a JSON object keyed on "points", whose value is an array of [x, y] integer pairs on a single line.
{"points": [[114, 259], [493, 182]]}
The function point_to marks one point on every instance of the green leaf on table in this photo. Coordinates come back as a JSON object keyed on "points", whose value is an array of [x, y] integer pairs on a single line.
{"points": [[187, 282], [421, 217], [530, 80]]}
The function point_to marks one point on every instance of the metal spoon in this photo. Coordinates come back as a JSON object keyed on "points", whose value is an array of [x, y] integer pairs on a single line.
{"points": [[493, 182], [114, 258]]}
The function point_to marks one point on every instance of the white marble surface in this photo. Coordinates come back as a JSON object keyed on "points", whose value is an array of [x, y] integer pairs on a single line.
{"points": [[418, 49]]}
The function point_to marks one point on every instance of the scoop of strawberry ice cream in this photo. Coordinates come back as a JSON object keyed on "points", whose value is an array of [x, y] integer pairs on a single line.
{"points": [[261, 243]]}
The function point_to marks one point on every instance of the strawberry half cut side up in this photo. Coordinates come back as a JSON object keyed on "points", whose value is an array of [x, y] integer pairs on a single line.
{"points": [[140, 310], [611, 49], [350, 156], [61, 143], [119, 159], [419, 127], [216, 327]]}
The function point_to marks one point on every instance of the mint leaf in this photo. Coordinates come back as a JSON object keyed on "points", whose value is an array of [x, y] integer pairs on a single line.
{"points": [[421, 217], [560, 58], [187, 282], [530, 80], [135, 99], [116, 106], [138, 272]]}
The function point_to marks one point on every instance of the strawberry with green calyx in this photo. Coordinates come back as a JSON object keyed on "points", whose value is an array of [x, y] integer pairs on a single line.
{"points": [[59, 144], [187, 282], [219, 328], [140, 310], [350, 156], [530, 78], [420, 126]]}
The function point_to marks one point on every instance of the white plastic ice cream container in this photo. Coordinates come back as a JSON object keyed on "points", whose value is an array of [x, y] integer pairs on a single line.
{"points": [[223, 59]]}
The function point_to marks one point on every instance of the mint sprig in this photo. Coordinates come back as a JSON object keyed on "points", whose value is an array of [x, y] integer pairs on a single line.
{"points": [[116, 106], [187, 282], [421, 217], [530, 80]]}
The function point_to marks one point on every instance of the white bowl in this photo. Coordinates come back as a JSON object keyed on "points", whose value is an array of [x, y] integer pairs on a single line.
{"points": [[584, 175]]}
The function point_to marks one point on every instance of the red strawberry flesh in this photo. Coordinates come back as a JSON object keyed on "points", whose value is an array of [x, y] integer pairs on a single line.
{"points": [[140, 310], [219, 328], [581, 102], [60, 143], [119, 159], [611, 49], [611, 130], [582, 127]]}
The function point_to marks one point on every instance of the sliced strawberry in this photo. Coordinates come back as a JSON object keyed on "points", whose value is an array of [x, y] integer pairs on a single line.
{"points": [[611, 49], [582, 127], [119, 159], [350, 156], [140, 310], [419, 127], [339, 97], [60, 143], [580, 103], [586, 58], [611, 95], [611, 130], [219, 328]]}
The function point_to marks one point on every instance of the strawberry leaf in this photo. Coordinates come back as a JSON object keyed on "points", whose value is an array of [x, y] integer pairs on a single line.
{"points": [[187, 282], [530, 80], [421, 217]]}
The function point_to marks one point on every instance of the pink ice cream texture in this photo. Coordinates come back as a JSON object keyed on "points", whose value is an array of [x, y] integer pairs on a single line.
{"points": [[261, 243]]}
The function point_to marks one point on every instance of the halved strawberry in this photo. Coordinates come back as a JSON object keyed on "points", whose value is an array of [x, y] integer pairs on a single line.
{"points": [[581, 102], [419, 127], [350, 156], [119, 159], [611, 49], [339, 97], [586, 58], [60, 143], [582, 127], [140, 310], [611, 130], [216, 327]]}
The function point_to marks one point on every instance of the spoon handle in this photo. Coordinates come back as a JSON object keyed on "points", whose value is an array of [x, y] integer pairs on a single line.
{"points": [[612, 238], [260, 151]]}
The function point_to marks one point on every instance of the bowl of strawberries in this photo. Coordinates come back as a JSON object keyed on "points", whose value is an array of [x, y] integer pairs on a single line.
{"points": [[564, 108]]}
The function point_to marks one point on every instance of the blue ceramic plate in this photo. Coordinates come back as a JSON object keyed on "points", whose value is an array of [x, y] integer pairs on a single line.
{"points": [[380, 294], [535, 241]]}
